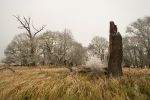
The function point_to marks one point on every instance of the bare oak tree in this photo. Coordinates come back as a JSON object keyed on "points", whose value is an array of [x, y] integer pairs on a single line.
{"points": [[31, 33]]}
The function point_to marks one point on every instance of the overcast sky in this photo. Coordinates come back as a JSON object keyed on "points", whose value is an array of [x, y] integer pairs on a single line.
{"points": [[85, 18]]}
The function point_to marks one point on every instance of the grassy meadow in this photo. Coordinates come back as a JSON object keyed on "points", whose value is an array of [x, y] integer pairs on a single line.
{"points": [[59, 84]]}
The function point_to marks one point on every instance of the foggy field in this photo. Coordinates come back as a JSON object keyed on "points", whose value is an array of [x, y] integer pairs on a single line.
{"points": [[75, 50], [59, 84]]}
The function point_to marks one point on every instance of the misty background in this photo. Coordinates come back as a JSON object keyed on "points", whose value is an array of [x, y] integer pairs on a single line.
{"points": [[85, 18]]}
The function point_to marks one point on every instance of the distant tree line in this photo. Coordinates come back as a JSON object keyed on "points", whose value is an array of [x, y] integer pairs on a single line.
{"points": [[59, 48], [51, 48], [137, 43], [48, 48]]}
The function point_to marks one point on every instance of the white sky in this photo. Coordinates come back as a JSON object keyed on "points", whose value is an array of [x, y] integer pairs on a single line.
{"points": [[85, 18]]}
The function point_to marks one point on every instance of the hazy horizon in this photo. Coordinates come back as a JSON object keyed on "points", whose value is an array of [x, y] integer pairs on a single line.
{"points": [[85, 18]]}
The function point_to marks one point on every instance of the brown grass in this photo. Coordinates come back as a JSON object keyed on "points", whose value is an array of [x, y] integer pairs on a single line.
{"points": [[59, 84]]}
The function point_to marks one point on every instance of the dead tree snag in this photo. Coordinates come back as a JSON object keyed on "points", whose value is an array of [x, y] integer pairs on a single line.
{"points": [[115, 51]]}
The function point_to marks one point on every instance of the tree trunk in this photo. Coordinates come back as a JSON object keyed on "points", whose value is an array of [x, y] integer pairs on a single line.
{"points": [[115, 52], [148, 56], [32, 52], [102, 55], [135, 57]]}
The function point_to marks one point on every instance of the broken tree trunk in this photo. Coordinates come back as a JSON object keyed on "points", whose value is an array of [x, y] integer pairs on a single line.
{"points": [[115, 51]]}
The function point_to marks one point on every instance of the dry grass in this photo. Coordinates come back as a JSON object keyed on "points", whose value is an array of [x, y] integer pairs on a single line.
{"points": [[58, 84]]}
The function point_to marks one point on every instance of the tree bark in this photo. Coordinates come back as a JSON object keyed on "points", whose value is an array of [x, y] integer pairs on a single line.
{"points": [[115, 52]]}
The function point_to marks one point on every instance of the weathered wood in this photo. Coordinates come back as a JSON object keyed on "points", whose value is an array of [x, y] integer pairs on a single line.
{"points": [[115, 51]]}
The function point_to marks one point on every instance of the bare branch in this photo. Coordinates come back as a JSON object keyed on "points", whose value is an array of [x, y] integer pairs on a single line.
{"points": [[18, 18], [37, 31], [34, 27], [25, 24]]}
